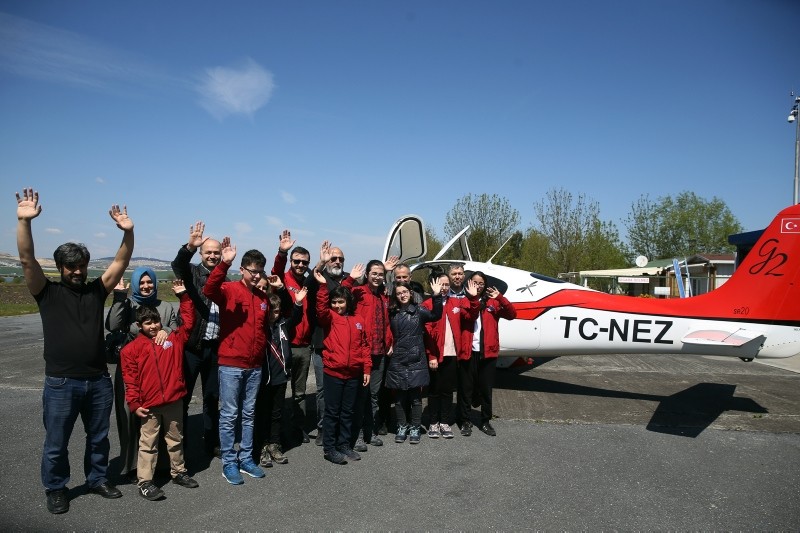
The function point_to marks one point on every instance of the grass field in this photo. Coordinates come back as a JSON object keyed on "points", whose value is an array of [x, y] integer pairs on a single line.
{"points": [[16, 300]]}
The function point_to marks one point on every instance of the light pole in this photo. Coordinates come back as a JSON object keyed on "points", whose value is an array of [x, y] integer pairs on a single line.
{"points": [[793, 118]]}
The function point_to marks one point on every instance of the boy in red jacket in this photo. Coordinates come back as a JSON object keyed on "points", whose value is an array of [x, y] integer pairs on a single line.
{"points": [[154, 390]]}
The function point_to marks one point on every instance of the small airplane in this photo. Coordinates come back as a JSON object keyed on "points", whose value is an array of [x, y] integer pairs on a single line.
{"points": [[755, 314]]}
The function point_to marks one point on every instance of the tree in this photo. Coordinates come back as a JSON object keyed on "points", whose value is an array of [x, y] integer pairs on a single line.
{"points": [[679, 227], [577, 239], [432, 242], [491, 218]]}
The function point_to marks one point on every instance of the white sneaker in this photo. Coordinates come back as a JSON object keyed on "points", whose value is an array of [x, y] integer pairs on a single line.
{"points": [[445, 430], [433, 431]]}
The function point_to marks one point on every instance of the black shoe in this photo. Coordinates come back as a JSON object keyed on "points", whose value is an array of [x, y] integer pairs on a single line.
{"points": [[466, 429], [304, 437], [337, 457], [318, 439], [185, 480], [106, 490], [149, 491], [214, 452], [383, 430], [488, 429], [376, 441], [349, 453], [58, 501]]}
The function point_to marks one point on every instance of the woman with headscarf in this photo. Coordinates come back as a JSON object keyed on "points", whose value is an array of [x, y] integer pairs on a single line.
{"points": [[122, 317]]}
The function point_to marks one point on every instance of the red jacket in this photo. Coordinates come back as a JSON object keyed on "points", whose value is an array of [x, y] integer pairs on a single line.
{"points": [[367, 305], [303, 330], [243, 319], [346, 350], [461, 313], [491, 313], [153, 374]]}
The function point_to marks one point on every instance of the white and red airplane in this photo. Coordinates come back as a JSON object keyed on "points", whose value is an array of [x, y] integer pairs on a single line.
{"points": [[755, 314]]}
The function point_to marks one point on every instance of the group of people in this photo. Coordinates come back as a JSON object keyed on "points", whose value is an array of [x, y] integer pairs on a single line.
{"points": [[371, 335]]}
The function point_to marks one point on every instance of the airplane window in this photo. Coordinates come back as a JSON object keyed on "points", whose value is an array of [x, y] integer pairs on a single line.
{"points": [[546, 278]]}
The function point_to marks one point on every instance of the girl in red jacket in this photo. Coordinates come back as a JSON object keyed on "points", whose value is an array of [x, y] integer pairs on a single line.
{"points": [[346, 367], [485, 340], [154, 390]]}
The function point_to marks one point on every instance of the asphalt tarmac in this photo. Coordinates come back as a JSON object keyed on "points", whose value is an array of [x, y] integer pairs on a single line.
{"points": [[584, 443]]}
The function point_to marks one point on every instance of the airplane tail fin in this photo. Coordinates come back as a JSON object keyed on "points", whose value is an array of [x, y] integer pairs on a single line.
{"points": [[766, 285]]}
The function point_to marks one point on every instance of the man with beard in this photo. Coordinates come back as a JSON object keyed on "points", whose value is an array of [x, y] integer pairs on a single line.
{"points": [[200, 353], [331, 266], [76, 376]]}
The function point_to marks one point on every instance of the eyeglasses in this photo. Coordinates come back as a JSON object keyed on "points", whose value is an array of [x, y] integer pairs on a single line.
{"points": [[402, 293], [336, 259], [254, 272], [376, 274], [299, 262]]}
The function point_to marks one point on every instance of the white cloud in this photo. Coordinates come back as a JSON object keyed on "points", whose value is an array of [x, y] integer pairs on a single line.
{"points": [[288, 197], [241, 90], [242, 228], [101, 235], [99, 180], [54, 231], [273, 221]]}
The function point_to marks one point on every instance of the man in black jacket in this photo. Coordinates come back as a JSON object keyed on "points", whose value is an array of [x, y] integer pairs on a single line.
{"points": [[200, 354]]}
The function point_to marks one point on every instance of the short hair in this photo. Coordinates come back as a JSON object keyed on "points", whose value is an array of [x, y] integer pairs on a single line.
{"points": [[454, 266], [145, 313], [253, 257], [71, 254], [300, 251], [345, 294], [274, 301]]}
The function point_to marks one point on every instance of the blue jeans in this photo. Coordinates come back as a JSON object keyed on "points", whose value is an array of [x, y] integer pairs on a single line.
{"points": [[238, 389], [63, 399]]}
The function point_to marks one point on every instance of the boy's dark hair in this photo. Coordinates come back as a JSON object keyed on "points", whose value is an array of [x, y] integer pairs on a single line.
{"points": [[345, 294], [274, 301], [71, 254], [145, 313], [253, 258]]}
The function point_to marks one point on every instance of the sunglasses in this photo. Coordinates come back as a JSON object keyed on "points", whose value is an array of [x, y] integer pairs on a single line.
{"points": [[336, 259], [299, 262]]}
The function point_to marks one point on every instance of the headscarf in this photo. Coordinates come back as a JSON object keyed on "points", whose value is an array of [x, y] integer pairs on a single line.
{"points": [[136, 278]]}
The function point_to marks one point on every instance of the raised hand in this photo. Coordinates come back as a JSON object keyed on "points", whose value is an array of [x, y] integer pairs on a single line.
{"points": [[28, 206], [436, 287], [228, 251], [120, 216], [196, 239], [325, 251], [121, 286], [391, 262], [275, 282], [357, 271], [472, 288], [177, 287], [285, 241], [492, 292], [300, 295], [319, 277]]}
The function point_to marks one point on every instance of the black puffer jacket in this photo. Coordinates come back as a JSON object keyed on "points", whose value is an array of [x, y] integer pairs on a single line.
{"points": [[408, 365]]}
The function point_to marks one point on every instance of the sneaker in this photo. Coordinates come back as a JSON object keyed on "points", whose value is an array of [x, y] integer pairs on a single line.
{"points": [[413, 435], [336, 457], [360, 445], [185, 480], [466, 429], [318, 438], [433, 431], [149, 491], [446, 431], [277, 454], [488, 429], [349, 453], [58, 501], [376, 441], [266, 458], [251, 469], [383, 430], [402, 433], [231, 474]]}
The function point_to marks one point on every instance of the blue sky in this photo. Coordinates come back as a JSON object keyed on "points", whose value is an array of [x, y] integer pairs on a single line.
{"points": [[333, 119]]}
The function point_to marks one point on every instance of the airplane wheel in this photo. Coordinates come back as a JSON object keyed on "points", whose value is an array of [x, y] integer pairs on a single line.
{"points": [[746, 359]]}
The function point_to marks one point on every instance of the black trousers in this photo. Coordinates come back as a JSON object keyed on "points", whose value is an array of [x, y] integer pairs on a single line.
{"points": [[269, 413], [476, 374], [203, 364], [444, 381], [337, 422], [409, 402]]}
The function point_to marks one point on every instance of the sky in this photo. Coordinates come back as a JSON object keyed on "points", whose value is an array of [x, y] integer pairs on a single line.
{"points": [[334, 119]]}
